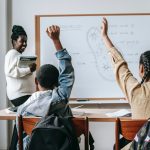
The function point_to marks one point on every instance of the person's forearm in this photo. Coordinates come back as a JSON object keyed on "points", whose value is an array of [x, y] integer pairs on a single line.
{"points": [[57, 45], [17, 72], [66, 77], [107, 42]]}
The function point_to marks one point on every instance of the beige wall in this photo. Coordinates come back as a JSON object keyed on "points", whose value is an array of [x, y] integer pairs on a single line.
{"points": [[23, 12]]}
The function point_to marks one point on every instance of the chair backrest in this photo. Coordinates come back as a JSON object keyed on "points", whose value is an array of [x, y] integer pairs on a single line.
{"points": [[27, 124], [127, 128], [81, 126]]}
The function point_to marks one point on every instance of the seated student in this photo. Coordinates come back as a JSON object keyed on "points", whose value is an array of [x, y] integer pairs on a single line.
{"points": [[53, 87], [137, 93]]}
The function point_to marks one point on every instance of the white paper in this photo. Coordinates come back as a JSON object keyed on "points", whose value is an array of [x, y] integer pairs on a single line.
{"points": [[119, 113], [78, 113], [9, 112]]}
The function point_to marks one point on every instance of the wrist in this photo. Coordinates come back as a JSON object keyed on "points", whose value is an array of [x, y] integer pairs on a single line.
{"points": [[31, 70], [107, 42], [105, 37], [56, 40], [57, 44]]}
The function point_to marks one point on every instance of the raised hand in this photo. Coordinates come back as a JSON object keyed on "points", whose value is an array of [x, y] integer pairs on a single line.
{"points": [[104, 33], [104, 27], [53, 32]]}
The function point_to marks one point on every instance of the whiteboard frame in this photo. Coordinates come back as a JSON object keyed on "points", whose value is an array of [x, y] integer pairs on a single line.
{"points": [[38, 42]]}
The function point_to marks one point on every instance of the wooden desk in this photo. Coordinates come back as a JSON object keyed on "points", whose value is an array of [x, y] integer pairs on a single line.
{"points": [[97, 115], [94, 115], [4, 115], [101, 104], [82, 101]]}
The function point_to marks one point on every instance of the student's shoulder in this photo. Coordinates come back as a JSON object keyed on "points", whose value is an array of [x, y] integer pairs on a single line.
{"points": [[12, 52], [38, 94], [35, 95], [29, 101]]}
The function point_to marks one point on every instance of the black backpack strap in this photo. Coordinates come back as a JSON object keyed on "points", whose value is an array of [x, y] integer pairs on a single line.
{"points": [[91, 141], [71, 132], [66, 121], [55, 108], [14, 139]]}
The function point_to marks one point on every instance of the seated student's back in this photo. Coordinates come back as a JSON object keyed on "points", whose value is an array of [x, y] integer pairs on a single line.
{"points": [[54, 85]]}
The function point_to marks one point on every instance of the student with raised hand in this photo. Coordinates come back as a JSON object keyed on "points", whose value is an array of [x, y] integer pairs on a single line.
{"points": [[20, 81], [137, 93], [54, 85]]}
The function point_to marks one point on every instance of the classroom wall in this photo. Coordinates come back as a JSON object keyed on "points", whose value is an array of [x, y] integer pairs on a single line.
{"points": [[23, 12], [3, 47]]}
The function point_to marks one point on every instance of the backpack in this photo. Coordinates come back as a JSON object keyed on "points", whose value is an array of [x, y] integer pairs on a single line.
{"points": [[142, 138], [54, 133]]}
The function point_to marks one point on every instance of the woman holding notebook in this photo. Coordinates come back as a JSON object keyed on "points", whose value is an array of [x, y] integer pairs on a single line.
{"points": [[20, 81]]}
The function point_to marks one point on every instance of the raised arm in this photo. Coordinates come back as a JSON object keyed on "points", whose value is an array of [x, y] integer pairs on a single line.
{"points": [[123, 75], [66, 77], [53, 32], [104, 33]]}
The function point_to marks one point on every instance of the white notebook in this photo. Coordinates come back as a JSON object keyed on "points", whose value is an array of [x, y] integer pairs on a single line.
{"points": [[25, 61]]}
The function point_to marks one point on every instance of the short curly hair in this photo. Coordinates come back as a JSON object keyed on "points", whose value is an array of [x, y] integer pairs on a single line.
{"points": [[47, 76]]}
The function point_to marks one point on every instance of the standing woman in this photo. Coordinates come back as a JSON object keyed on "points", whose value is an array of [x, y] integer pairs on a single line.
{"points": [[20, 81]]}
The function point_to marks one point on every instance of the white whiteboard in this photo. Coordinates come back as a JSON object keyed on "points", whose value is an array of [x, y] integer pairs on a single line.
{"points": [[80, 35]]}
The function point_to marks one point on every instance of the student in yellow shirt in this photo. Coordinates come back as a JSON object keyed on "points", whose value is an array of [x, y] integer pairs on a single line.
{"points": [[137, 93]]}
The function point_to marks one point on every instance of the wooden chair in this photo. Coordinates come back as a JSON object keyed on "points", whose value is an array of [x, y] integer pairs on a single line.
{"points": [[81, 126], [127, 128], [26, 124]]}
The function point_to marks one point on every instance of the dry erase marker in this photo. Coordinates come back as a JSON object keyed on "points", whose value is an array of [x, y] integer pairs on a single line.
{"points": [[82, 100]]}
